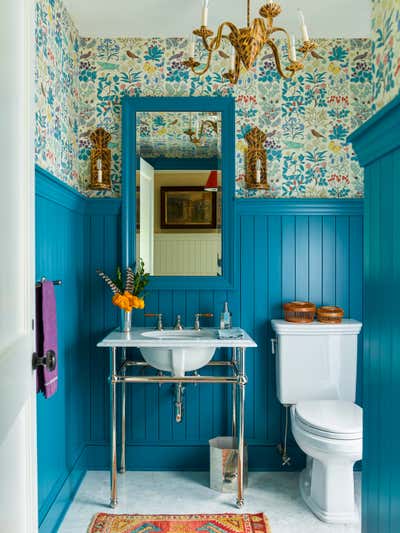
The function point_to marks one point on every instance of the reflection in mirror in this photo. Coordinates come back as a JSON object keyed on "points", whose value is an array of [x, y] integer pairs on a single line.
{"points": [[178, 193]]}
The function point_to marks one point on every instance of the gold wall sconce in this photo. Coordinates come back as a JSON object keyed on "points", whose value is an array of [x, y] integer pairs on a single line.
{"points": [[256, 160], [100, 160]]}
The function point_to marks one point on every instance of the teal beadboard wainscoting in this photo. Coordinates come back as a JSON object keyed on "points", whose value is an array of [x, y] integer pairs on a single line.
{"points": [[62, 421], [284, 249], [377, 144]]}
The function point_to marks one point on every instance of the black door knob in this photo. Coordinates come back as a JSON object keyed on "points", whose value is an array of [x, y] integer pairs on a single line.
{"points": [[49, 360]]}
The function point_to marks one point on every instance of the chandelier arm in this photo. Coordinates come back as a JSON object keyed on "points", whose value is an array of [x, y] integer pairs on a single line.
{"points": [[275, 51], [215, 43], [233, 76], [282, 30], [248, 13], [204, 70]]}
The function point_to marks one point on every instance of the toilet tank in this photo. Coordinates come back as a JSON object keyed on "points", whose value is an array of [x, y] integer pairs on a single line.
{"points": [[316, 361]]}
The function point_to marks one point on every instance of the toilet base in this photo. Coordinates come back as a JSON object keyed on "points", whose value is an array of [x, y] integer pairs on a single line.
{"points": [[347, 517]]}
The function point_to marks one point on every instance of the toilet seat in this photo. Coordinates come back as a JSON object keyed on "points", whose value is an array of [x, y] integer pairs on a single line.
{"points": [[331, 419]]}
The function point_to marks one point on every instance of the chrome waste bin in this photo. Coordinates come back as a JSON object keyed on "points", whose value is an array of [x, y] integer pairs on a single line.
{"points": [[224, 464]]}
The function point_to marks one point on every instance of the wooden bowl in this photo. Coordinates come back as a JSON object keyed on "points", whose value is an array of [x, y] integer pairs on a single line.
{"points": [[300, 312], [330, 314]]}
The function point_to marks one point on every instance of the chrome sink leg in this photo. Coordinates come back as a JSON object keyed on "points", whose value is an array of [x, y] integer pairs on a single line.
{"points": [[234, 399], [242, 383], [122, 466], [113, 428]]}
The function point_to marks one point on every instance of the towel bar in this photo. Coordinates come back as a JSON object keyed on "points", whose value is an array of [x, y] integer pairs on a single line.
{"points": [[55, 282]]}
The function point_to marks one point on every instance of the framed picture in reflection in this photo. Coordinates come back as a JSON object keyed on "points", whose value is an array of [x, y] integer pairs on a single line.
{"points": [[188, 208]]}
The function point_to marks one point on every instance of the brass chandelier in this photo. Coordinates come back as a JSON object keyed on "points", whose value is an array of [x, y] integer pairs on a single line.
{"points": [[248, 42]]}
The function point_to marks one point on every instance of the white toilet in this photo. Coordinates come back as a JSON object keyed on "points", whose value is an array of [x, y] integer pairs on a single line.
{"points": [[316, 371]]}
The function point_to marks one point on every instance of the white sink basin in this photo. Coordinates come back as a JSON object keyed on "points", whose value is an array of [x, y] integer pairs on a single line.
{"points": [[179, 359], [173, 334]]}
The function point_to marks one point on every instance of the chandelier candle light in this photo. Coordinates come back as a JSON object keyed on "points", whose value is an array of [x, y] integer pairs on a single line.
{"points": [[248, 42]]}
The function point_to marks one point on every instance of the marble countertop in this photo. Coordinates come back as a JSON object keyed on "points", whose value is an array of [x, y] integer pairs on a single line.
{"points": [[207, 337]]}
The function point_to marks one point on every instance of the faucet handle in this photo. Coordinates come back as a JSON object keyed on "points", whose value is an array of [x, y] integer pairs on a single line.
{"points": [[159, 321], [178, 324], [197, 319]]}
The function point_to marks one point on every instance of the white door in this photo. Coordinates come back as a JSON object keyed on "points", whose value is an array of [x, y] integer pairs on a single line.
{"points": [[18, 497], [146, 239]]}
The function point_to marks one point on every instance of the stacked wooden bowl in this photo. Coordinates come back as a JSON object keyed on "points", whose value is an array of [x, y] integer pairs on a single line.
{"points": [[300, 312], [304, 312], [330, 314]]}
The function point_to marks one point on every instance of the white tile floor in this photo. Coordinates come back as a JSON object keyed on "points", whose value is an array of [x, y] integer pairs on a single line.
{"points": [[274, 493]]}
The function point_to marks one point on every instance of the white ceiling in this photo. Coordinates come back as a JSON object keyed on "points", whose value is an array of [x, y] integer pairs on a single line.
{"points": [[176, 18]]}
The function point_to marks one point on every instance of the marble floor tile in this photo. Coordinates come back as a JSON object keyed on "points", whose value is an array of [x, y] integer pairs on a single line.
{"points": [[274, 493]]}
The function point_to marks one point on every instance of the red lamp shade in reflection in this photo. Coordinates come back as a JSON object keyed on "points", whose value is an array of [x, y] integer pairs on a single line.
{"points": [[212, 182]]}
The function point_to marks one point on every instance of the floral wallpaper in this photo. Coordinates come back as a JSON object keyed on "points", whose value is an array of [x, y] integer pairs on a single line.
{"points": [[307, 120], [57, 91], [386, 51]]}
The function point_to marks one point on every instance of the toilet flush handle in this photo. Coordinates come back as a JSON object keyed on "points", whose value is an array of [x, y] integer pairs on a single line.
{"points": [[273, 346]]}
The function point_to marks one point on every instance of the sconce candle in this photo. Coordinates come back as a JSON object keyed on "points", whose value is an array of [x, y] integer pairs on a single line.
{"points": [[258, 171], [99, 171]]}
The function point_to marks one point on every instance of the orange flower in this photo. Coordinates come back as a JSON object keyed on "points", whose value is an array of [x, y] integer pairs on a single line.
{"points": [[121, 301], [134, 301]]}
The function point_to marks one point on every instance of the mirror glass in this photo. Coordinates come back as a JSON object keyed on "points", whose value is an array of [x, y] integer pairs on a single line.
{"points": [[178, 193]]}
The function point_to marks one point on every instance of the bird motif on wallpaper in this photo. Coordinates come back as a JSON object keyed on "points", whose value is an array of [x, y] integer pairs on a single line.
{"points": [[267, 56], [85, 56], [176, 56], [317, 134], [131, 55], [361, 56], [223, 54], [316, 55]]}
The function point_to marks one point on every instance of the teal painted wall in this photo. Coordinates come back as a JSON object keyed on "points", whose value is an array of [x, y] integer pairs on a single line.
{"points": [[62, 420], [378, 147]]}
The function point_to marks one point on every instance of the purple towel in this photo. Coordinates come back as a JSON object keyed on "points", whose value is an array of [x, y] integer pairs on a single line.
{"points": [[46, 336]]}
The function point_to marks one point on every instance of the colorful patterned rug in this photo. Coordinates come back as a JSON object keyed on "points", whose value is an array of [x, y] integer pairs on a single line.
{"points": [[207, 523]]}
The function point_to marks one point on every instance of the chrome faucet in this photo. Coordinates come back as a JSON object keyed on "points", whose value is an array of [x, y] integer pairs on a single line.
{"points": [[159, 316], [178, 324], [197, 319]]}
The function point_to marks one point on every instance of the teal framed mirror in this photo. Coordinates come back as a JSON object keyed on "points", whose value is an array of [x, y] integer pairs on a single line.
{"points": [[178, 188]]}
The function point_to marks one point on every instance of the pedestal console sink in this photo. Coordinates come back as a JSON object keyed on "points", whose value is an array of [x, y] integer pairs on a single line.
{"points": [[177, 352], [180, 351]]}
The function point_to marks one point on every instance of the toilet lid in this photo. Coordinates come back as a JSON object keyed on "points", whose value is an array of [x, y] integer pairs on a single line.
{"points": [[331, 416]]}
